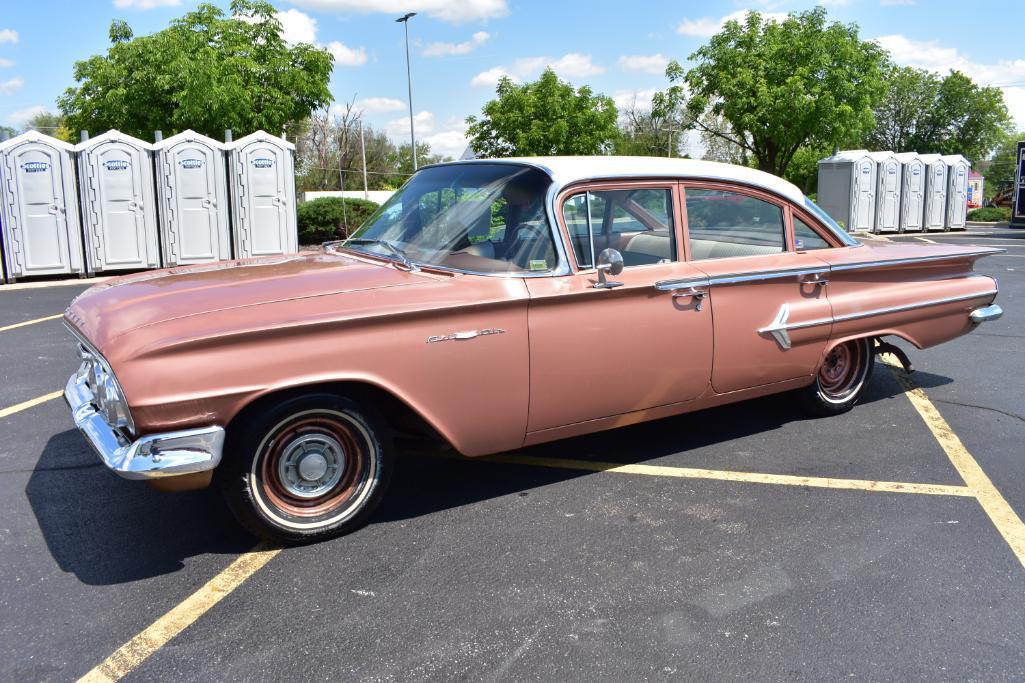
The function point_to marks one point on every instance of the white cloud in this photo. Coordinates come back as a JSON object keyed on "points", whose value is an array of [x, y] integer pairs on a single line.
{"points": [[297, 27], [379, 105], [448, 140], [450, 143], [8, 35], [11, 86], [345, 55], [454, 11], [22, 116], [652, 64], [930, 55], [6, 63], [465, 47], [706, 27], [399, 128], [145, 4], [570, 65], [634, 99]]}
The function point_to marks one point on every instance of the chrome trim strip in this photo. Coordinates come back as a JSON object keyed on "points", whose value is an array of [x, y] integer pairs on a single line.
{"points": [[671, 285], [780, 325], [991, 251], [154, 455]]}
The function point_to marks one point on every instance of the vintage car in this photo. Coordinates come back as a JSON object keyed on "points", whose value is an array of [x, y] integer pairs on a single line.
{"points": [[490, 305]]}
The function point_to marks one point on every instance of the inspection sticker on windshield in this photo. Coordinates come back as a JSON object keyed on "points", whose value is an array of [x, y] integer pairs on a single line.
{"points": [[538, 264]]}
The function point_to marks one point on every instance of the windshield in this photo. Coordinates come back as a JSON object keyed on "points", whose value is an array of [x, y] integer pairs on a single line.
{"points": [[485, 218], [842, 234]]}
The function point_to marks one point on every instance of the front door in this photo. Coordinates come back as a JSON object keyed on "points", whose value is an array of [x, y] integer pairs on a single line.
{"points": [[888, 197], [40, 209], [759, 287], [864, 195], [265, 222], [199, 216], [122, 219], [599, 352]]}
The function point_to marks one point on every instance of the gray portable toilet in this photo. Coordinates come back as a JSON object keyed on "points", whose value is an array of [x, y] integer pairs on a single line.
{"points": [[118, 204], [261, 179], [957, 190], [912, 191], [888, 184], [191, 185], [847, 189], [38, 207], [935, 212]]}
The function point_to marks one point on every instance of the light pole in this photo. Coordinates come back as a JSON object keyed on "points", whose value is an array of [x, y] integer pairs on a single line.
{"points": [[409, 80], [670, 150]]}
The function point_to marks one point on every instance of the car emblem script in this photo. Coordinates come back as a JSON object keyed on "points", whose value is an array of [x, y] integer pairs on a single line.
{"points": [[462, 336]]}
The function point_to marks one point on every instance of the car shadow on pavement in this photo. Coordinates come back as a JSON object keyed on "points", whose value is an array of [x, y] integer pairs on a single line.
{"points": [[107, 530], [425, 485]]}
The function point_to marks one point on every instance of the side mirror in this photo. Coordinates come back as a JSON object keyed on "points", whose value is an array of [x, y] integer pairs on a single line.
{"points": [[609, 261]]}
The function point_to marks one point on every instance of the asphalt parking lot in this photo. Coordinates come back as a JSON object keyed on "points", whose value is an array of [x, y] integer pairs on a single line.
{"points": [[744, 542]]}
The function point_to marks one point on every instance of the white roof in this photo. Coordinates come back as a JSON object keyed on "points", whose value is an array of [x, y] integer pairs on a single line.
{"points": [[847, 155], [905, 157], [929, 158], [260, 135], [951, 159], [188, 136], [113, 136], [35, 136], [566, 170], [882, 156]]}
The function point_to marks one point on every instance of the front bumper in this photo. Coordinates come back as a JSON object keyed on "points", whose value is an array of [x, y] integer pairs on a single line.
{"points": [[153, 455]]}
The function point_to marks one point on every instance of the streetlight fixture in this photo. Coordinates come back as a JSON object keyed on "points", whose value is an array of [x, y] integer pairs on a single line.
{"points": [[409, 80]]}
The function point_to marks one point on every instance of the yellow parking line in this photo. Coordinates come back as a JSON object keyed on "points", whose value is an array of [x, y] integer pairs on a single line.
{"points": [[727, 475], [30, 322], [138, 649], [1003, 516], [31, 403]]}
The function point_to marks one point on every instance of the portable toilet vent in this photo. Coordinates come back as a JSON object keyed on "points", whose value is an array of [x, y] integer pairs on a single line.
{"points": [[935, 213], [958, 169], [888, 183], [912, 191], [38, 207], [262, 184], [847, 189], [118, 203], [193, 212]]}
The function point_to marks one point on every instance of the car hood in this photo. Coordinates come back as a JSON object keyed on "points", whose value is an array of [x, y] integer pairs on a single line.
{"points": [[112, 308]]}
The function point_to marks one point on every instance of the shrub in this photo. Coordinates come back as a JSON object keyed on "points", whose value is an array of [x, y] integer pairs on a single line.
{"points": [[325, 218], [990, 214]]}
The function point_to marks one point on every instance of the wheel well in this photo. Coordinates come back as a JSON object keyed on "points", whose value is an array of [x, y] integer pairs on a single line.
{"points": [[406, 423]]}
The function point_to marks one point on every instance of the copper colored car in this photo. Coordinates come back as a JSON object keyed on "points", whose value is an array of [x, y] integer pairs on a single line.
{"points": [[487, 306]]}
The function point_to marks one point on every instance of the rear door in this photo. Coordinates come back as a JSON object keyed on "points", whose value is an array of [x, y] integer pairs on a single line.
{"points": [[36, 194]]}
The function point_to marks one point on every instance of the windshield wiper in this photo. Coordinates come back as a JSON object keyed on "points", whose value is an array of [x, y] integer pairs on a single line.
{"points": [[396, 252]]}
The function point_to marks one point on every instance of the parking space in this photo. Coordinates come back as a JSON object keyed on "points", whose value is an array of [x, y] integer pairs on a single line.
{"points": [[742, 542]]}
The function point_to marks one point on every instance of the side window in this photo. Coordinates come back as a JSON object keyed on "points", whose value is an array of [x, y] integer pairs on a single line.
{"points": [[806, 239], [637, 223], [723, 223]]}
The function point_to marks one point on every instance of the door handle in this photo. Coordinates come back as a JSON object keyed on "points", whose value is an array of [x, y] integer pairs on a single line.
{"points": [[817, 279], [698, 295]]}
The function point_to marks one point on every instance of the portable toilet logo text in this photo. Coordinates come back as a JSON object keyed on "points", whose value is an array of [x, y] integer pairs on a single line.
{"points": [[263, 162], [116, 165], [35, 167], [191, 163]]}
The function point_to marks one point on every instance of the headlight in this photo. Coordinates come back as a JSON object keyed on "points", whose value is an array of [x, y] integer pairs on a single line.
{"points": [[107, 395]]}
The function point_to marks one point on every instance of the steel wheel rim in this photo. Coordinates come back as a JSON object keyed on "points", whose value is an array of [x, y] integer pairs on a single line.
{"points": [[334, 479], [842, 371]]}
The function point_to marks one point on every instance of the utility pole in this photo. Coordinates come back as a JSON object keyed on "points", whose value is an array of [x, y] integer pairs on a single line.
{"points": [[363, 153], [409, 81], [669, 153]]}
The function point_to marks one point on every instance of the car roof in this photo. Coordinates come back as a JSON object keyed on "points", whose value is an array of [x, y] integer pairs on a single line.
{"points": [[566, 170]]}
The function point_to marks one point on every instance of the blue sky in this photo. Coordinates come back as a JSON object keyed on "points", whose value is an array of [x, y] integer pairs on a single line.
{"points": [[460, 47]]}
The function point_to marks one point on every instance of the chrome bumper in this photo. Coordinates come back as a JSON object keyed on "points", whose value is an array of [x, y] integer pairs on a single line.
{"points": [[986, 313], [154, 455]]}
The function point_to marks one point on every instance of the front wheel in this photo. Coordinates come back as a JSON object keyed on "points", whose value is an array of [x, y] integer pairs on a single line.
{"points": [[307, 469], [841, 379]]}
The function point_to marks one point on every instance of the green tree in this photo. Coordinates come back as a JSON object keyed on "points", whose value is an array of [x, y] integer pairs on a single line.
{"points": [[781, 85], [951, 115], [1000, 171], [547, 116], [7, 132], [50, 124], [207, 71], [643, 132]]}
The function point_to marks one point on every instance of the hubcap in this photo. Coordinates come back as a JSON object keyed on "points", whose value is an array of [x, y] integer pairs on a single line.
{"points": [[310, 465], [840, 374]]}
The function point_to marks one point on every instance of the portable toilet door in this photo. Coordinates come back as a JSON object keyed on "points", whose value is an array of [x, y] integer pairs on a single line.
{"points": [[957, 191], [847, 187], [39, 211], [887, 195], [912, 191], [193, 211], [935, 192], [118, 203], [262, 184]]}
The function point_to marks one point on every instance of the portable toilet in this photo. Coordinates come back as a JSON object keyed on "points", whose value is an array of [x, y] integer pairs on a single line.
{"points": [[261, 180], [958, 169], [38, 207], [191, 186], [934, 213], [912, 191], [888, 184], [118, 203], [847, 189]]}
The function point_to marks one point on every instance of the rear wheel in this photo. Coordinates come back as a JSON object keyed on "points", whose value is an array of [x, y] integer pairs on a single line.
{"points": [[841, 378], [310, 468]]}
